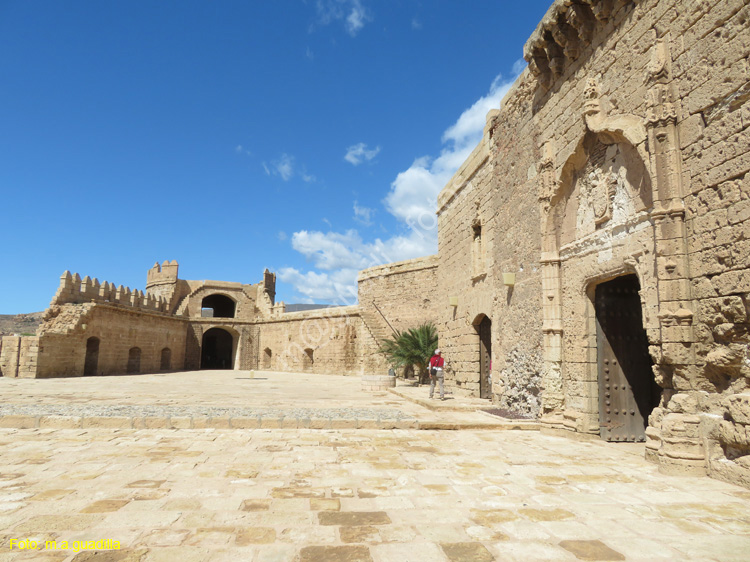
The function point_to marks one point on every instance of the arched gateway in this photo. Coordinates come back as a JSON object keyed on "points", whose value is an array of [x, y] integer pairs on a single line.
{"points": [[217, 349]]}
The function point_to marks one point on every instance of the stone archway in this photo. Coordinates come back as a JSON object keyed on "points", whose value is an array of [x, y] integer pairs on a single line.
{"points": [[217, 349], [218, 306], [596, 225]]}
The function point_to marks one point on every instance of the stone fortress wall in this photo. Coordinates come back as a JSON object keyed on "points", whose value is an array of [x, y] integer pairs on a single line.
{"points": [[639, 119], [94, 328]]}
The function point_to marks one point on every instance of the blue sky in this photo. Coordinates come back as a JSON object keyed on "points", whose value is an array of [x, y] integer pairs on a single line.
{"points": [[307, 137]]}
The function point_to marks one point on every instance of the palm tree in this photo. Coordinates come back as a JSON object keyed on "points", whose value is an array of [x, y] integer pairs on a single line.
{"points": [[414, 346]]}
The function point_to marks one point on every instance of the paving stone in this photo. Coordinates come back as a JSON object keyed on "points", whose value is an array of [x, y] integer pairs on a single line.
{"points": [[591, 550], [467, 552], [104, 506], [255, 505], [353, 518], [365, 534], [124, 555], [335, 554], [325, 504], [255, 535]]}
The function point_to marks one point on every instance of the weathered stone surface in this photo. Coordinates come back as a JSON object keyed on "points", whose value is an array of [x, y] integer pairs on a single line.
{"points": [[353, 518], [352, 553], [467, 552]]}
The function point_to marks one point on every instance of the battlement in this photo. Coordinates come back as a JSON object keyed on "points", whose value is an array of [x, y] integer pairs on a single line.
{"points": [[269, 284], [74, 290], [166, 273]]}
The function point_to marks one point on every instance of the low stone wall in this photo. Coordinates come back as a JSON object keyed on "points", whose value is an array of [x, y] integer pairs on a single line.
{"points": [[18, 356]]}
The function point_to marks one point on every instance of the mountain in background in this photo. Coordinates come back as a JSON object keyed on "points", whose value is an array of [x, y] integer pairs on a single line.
{"points": [[25, 324]]}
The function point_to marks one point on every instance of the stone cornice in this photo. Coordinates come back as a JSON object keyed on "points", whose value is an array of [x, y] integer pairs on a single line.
{"points": [[563, 34]]}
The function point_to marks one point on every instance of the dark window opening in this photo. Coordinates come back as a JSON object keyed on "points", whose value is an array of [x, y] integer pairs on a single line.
{"points": [[217, 306]]}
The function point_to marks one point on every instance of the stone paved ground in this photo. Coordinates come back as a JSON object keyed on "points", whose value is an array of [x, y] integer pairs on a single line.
{"points": [[381, 495]]}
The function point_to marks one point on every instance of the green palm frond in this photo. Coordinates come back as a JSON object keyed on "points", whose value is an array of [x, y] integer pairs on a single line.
{"points": [[414, 346]]}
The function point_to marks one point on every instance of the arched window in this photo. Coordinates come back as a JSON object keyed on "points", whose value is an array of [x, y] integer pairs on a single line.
{"points": [[134, 360], [267, 354], [166, 359], [217, 306]]}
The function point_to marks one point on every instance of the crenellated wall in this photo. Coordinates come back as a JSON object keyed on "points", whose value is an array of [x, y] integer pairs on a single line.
{"points": [[74, 290]]}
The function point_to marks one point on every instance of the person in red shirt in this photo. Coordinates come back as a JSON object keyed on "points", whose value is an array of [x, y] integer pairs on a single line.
{"points": [[437, 363]]}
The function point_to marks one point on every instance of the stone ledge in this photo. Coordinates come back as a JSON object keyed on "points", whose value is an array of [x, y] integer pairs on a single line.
{"points": [[239, 423]]}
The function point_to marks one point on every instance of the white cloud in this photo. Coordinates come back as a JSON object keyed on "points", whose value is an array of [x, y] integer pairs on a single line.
{"points": [[356, 18], [358, 153], [350, 12], [331, 250], [412, 199], [341, 256], [363, 215], [333, 288], [286, 168], [413, 194], [416, 24]]}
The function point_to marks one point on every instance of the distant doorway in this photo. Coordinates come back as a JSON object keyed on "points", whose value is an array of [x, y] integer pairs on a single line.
{"points": [[216, 351], [484, 330], [627, 389], [91, 364], [166, 359], [134, 360]]}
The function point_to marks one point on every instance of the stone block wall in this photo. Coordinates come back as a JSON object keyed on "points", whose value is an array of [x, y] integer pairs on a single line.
{"points": [[488, 226], [662, 86], [401, 293], [327, 341], [395, 296], [18, 356], [64, 336]]}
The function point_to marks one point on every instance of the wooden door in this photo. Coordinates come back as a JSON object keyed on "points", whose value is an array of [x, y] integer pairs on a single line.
{"points": [[627, 390]]}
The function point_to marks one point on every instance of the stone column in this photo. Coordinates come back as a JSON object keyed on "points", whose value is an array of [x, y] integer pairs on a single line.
{"points": [[553, 398], [674, 437]]}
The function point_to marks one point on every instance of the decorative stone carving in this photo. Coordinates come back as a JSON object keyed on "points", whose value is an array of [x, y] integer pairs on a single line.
{"points": [[582, 20], [567, 37], [600, 186], [591, 105], [555, 55], [567, 28], [602, 9]]}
